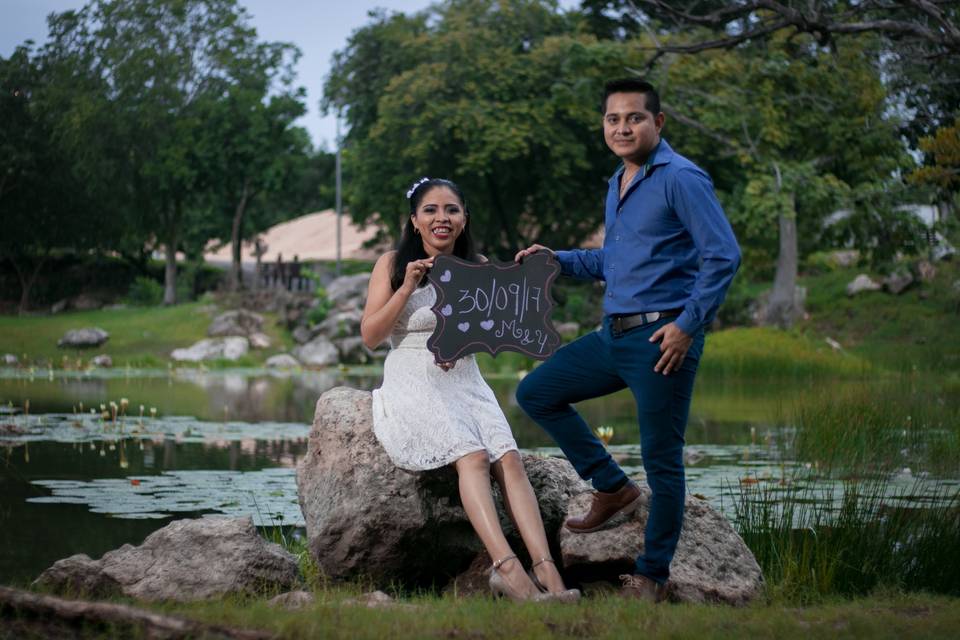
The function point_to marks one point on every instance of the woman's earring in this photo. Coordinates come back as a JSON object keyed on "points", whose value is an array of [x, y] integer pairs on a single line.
{"points": [[416, 230]]}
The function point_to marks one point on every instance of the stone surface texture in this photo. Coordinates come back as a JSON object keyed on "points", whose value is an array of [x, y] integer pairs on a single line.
{"points": [[184, 561], [238, 322], [319, 352], [83, 338], [861, 283], [366, 517], [230, 348], [712, 563]]}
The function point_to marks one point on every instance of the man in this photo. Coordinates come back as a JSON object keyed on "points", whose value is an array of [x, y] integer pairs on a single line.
{"points": [[668, 257]]}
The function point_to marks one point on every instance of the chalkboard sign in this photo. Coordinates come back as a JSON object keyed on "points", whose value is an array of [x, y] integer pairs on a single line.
{"points": [[493, 307]]}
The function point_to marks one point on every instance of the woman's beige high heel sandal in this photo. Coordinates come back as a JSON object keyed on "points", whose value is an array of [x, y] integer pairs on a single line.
{"points": [[567, 595], [500, 587]]}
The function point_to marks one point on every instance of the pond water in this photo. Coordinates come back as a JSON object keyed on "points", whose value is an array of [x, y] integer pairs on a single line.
{"points": [[186, 443]]}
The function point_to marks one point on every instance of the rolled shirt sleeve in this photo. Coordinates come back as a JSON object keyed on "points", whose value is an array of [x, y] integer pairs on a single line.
{"points": [[586, 264]]}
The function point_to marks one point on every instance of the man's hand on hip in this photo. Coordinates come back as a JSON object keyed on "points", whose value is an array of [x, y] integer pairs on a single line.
{"points": [[674, 344]]}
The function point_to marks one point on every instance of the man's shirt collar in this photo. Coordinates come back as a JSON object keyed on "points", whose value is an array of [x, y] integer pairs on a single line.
{"points": [[662, 154]]}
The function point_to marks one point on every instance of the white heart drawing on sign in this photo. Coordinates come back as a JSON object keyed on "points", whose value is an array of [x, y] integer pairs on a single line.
{"points": [[463, 326], [486, 325], [447, 310], [446, 276]]}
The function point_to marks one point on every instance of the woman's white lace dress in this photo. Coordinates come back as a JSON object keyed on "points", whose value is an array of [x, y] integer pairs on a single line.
{"points": [[426, 417]]}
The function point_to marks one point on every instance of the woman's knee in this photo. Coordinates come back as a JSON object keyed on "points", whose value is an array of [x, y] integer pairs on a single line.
{"points": [[476, 462], [512, 464]]}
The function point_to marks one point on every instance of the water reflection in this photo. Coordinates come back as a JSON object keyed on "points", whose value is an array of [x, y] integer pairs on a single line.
{"points": [[228, 442]]}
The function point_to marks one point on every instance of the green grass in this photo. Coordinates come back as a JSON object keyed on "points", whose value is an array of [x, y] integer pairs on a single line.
{"points": [[750, 352], [760, 352], [880, 427], [883, 616], [918, 329], [139, 336]]}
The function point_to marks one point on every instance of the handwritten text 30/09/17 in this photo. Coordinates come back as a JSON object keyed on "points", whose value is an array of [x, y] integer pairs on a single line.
{"points": [[518, 296]]}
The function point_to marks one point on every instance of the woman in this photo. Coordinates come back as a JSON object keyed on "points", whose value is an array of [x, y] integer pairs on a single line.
{"points": [[429, 415]]}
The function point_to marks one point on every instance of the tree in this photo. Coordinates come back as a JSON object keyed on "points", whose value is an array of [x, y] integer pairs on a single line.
{"points": [[43, 205], [249, 151], [158, 64], [809, 130], [501, 97], [942, 171], [921, 41]]}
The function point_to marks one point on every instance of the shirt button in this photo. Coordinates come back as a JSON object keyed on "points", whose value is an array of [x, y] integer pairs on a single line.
{"points": [[610, 295], [617, 238]]}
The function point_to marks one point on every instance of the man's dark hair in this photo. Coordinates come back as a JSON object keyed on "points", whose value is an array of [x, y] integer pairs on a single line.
{"points": [[632, 85]]}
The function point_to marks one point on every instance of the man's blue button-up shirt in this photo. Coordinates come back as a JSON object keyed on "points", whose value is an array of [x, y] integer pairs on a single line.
{"points": [[668, 244]]}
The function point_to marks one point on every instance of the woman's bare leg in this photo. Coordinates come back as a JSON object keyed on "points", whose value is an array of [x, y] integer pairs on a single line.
{"points": [[477, 497], [521, 504]]}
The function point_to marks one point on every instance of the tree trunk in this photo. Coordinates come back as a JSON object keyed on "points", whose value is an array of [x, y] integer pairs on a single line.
{"points": [[170, 269], [509, 229], [36, 615], [782, 308], [26, 282], [235, 281]]}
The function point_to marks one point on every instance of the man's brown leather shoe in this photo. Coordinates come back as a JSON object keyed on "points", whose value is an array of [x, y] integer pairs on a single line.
{"points": [[642, 588], [605, 506]]}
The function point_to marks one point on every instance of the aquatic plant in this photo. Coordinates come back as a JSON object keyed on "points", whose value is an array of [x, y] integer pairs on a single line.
{"points": [[812, 543]]}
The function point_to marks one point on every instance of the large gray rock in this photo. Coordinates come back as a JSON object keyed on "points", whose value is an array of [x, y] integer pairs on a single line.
{"points": [[83, 338], [302, 335], [898, 281], [239, 322], [340, 324], [861, 283], [366, 517], [319, 352], [712, 562], [103, 361], [352, 350], [86, 302], [212, 349], [348, 290], [568, 330], [260, 341], [186, 560], [282, 361]]}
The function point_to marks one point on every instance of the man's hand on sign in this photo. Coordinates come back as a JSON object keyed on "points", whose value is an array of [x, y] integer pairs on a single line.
{"points": [[523, 253]]}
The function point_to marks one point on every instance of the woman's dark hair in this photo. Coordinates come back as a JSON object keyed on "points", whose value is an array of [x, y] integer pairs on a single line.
{"points": [[410, 246]]}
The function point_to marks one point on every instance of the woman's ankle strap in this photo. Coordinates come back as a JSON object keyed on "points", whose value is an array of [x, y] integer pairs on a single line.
{"points": [[541, 561], [499, 563]]}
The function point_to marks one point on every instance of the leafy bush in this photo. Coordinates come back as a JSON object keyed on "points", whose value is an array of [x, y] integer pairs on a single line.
{"points": [[145, 292], [319, 313]]}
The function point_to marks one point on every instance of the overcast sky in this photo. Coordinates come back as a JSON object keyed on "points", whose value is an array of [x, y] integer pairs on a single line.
{"points": [[317, 27]]}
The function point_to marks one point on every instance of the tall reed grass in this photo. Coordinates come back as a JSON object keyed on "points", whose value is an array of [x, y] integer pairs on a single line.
{"points": [[885, 426], [809, 548]]}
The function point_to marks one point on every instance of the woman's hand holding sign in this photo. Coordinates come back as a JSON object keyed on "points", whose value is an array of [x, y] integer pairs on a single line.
{"points": [[416, 269]]}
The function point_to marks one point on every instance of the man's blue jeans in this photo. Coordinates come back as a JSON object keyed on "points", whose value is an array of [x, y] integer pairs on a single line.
{"points": [[601, 363]]}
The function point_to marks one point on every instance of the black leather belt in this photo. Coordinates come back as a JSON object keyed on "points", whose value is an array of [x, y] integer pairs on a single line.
{"points": [[619, 324]]}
